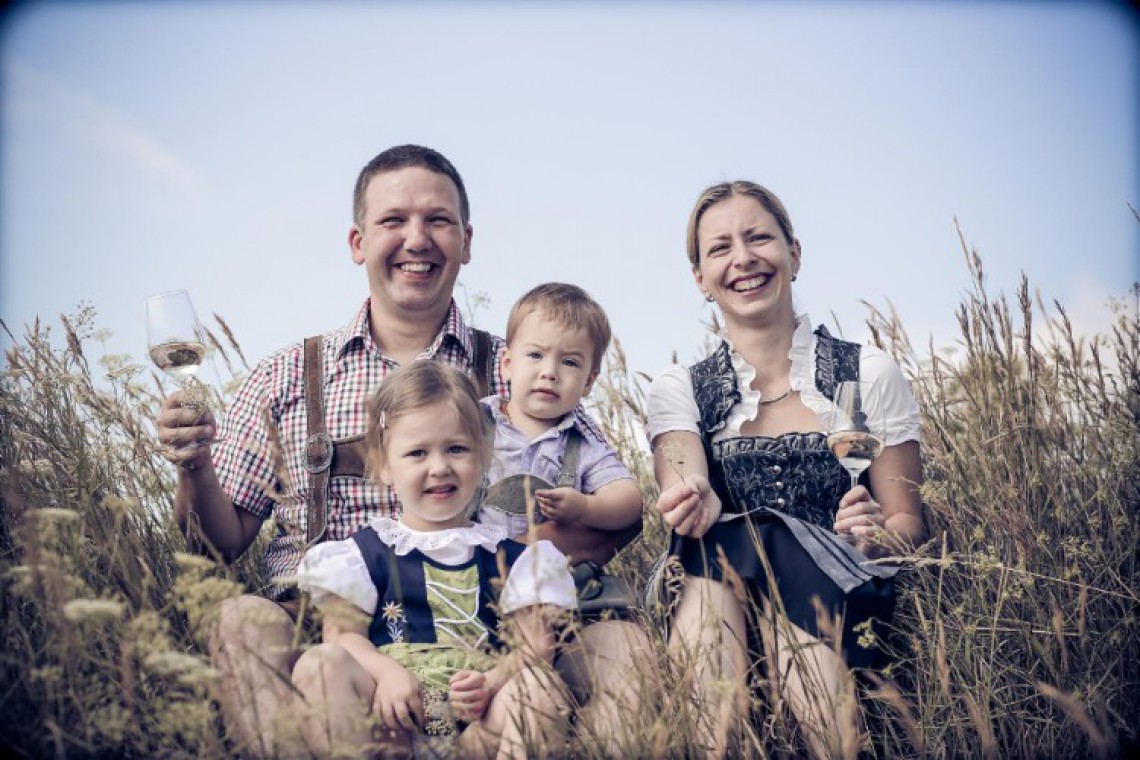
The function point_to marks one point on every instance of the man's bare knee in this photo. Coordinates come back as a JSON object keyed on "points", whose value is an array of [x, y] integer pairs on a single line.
{"points": [[321, 664], [251, 624]]}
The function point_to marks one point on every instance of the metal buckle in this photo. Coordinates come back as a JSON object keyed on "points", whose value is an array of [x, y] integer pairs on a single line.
{"points": [[318, 453]]}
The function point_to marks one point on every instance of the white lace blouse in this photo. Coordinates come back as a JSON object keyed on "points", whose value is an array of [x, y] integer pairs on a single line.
{"points": [[671, 406], [540, 575]]}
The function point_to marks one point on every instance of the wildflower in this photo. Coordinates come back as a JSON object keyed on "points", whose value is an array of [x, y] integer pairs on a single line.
{"points": [[96, 610], [173, 663], [189, 562], [56, 513]]}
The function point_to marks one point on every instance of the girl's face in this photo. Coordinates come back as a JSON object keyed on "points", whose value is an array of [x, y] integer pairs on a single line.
{"points": [[432, 462], [746, 265]]}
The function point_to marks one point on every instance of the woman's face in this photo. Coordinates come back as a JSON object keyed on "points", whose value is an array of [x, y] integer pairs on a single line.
{"points": [[746, 265]]}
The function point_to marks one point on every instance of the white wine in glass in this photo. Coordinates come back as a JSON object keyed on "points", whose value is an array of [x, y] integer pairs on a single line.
{"points": [[177, 344], [850, 438], [175, 338]]}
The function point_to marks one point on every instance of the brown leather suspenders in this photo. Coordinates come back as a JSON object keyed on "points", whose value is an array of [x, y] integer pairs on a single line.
{"points": [[318, 446], [325, 457]]}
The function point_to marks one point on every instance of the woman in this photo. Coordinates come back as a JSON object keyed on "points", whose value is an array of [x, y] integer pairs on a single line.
{"points": [[742, 462]]}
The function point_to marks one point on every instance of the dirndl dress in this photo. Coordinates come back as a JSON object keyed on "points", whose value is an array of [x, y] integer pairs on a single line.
{"points": [[779, 496]]}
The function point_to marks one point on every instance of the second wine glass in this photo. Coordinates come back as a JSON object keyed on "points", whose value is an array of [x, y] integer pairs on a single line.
{"points": [[852, 434]]}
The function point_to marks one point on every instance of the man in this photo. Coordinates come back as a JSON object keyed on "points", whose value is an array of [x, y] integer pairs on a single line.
{"points": [[411, 232]]}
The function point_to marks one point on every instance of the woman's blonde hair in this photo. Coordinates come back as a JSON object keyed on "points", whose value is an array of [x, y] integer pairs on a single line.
{"points": [[414, 386], [725, 190]]}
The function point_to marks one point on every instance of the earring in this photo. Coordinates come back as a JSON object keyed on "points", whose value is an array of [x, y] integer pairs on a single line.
{"points": [[794, 276], [709, 298]]}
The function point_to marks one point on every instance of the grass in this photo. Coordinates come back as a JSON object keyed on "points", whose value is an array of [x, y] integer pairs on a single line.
{"points": [[1016, 628]]}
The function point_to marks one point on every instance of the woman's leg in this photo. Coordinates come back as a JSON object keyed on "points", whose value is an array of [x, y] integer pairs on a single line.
{"points": [[338, 693], [527, 718], [708, 646], [816, 684]]}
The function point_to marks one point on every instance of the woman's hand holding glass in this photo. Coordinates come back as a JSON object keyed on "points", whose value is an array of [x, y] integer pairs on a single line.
{"points": [[859, 516], [689, 506], [852, 439]]}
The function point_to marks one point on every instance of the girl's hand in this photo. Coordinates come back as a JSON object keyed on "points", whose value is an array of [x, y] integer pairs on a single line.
{"points": [[561, 504], [689, 507], [398, 700], [859, 515], [469, 695]]}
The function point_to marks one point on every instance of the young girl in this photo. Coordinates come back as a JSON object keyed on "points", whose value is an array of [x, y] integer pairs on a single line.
{"points": [[410, 606]]}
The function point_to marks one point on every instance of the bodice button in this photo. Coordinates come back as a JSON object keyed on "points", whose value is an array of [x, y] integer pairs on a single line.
{"points": [[776, 469], [779, 484], [781, 501]]}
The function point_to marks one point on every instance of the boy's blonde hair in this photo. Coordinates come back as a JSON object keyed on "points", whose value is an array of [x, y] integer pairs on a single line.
{"points": [[569, 306], [414, 386]]}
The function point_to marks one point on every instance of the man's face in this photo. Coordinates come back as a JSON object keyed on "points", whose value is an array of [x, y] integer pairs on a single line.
{"points": [[412, 242]]}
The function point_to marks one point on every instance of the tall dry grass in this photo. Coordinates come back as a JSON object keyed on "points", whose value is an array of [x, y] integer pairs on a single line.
{"points": [[1016, 624]]}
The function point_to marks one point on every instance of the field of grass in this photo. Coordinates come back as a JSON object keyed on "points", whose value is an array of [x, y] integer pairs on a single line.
{"points": [[1016, 629]]}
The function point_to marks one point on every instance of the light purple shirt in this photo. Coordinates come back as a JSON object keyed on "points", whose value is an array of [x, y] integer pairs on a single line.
{"points": [[598, 465]]}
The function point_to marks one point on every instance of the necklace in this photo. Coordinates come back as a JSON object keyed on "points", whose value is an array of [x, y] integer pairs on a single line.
{"points": [[781, 397]]}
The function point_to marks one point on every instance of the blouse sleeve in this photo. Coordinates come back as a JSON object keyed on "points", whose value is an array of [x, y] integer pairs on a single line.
{"points": [[670, 405], [337, 569], [898, 410], [541, 575]]}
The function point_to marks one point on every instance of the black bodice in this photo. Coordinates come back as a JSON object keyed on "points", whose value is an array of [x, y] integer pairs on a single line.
{"points": [[794, 473]]}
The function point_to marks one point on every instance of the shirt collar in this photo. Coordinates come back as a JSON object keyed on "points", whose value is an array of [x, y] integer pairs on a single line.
{"points": [[576, 417], [358, 331]]}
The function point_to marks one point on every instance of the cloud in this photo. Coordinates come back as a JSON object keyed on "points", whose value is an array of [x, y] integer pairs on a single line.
{"points": [[45, 102]]}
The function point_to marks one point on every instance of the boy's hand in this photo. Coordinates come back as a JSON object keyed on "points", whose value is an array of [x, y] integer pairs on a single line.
{"points": [[561, 504], [689, 507], [469, 695], [398, 700]]}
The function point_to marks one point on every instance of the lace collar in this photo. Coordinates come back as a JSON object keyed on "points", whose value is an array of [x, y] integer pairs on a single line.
{"points": [[801, 376], [450, 546]]}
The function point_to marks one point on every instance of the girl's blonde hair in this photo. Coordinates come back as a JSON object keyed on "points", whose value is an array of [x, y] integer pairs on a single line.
{"points": [[414, 386]]}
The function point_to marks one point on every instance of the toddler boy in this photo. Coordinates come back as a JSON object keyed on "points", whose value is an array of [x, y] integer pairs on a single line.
{"points": [[544, 444]]}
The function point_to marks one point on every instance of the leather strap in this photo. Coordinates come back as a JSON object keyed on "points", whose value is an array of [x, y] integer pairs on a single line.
{"points": [[482, 366], [318, 447], [348, 456], [568, 476]]}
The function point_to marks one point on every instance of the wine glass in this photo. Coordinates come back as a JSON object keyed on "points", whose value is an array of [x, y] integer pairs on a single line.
{"points": [[176, 342], [850, 434]]}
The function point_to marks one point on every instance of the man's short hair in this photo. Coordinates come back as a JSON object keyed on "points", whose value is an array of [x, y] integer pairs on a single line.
{"points": [[569, 306], [401, 157]]}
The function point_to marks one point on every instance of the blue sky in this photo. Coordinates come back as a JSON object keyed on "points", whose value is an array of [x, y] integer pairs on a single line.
{"points": [[213, 146]]}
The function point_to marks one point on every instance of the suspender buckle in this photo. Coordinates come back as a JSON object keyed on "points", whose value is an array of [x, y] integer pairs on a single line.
{"points": [[318, 452]]}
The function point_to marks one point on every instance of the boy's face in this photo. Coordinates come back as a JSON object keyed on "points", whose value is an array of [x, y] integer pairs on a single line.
{"points": [[548, 366]]}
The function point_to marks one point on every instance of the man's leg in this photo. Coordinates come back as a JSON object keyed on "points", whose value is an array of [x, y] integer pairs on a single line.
{"points": [[337, 693], [580, 542], [251, 644], [610, 667]]}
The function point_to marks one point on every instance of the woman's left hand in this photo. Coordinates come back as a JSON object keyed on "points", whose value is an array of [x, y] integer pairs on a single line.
{"points": [[859, 515]]}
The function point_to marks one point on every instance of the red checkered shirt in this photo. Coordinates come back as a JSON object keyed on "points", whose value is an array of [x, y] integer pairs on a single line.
{"points": [[353, 368]]}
